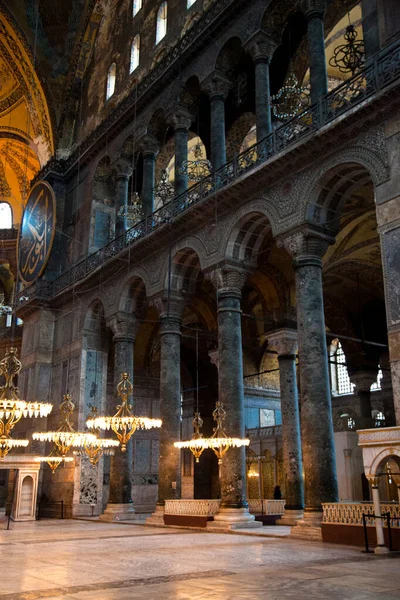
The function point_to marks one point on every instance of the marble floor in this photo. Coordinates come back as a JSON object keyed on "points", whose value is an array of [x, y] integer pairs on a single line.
{"points": [[79, 560]]}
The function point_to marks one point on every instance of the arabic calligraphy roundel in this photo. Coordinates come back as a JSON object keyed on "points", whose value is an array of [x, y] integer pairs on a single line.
{"points": [[37, 232]]}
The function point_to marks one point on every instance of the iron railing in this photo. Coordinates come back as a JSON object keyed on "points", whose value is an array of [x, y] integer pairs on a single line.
{"points": [[382, 70], [8, 234]]}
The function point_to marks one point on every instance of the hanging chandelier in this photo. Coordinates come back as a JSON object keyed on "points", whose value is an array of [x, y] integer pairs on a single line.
{"points": [[95, 449], [219, 442], [291, 99], [164, 191], [198, 168], [123, 423], [197, 444], [349, 57], [4, 309], [132, 212], [12, 409], [53, 460], [65, 437]]}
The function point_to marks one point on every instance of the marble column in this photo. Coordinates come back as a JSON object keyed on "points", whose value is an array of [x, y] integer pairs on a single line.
{"points": [[285, 342], [217, 87], [234, 512], [314, 11], [261, 48], [120, 507], [181, 119], [123, 172], [150, 147], [363, 379], [307, 246], [380, 538], [169, 467]]}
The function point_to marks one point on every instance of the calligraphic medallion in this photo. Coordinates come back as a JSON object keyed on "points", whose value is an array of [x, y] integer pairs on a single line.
{"points": [[37, 232]]}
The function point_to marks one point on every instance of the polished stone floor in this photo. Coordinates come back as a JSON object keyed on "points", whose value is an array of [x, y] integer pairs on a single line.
{"points": [[79, 560]]}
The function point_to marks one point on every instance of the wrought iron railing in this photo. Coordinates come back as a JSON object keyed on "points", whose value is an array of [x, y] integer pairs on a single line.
{"points": [[381, 71], [8, 234]]}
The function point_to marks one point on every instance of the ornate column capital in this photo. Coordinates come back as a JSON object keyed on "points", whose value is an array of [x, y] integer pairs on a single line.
{"points": [[214, 357], [363, 379], [149, 145], [124, 326], [228, 279], [180, 118], [373, 480], [306, 245], [313, 8], [170, 309], [261, 46], [284, 341], [123, 168], [217, 85]]}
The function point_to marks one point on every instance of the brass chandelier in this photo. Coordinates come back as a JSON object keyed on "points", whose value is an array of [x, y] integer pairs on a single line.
{"points": [[12, 409], [95, 449], [124, 423], [197, 168], [133, 212]]}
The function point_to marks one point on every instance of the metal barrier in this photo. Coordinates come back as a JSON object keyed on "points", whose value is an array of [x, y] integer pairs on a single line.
{"points": [[388, 518]]}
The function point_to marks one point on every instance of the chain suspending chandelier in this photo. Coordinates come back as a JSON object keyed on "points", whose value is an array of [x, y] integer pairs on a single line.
{"points": [[349, 57], [95, 449], [133, 212], [12, 409], [164, 191], [197, 168], [291, 99], [123, 423]]}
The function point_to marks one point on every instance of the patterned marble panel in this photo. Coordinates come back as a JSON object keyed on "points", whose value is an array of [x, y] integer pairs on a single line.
{"points": [[89, 479]]}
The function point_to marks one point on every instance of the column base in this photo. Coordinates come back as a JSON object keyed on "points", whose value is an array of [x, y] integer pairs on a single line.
{"points": [[290, 517], [118, 512], [381, 550], [309, 527], [234, 518], [157, 518]]}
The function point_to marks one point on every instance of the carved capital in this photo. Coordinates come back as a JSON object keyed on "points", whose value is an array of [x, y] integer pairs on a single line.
{"points": [[149, 145], [228, 279], [217, 85], [214, 357], [171, 306], [284, 341], [313, 8], [261, 46], [180, 118], [373, 480], [124, 326], [306, 244], [123, 168]]}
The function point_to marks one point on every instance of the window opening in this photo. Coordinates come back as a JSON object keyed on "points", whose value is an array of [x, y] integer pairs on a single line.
{"points": [[111, 77], [136, 6], [5, 216], [135, 51], [161, 29]]}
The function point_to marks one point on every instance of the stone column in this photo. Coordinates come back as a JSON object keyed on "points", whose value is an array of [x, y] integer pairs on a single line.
{"points": [[169, 468], [123, 173], [181, 119], [285, 342], [363, 380], [217, 87], [380, 538], [234, 512], [307, 246], [261, 48], [314, 11], [370, 27], [150, 147], [120, 507]]}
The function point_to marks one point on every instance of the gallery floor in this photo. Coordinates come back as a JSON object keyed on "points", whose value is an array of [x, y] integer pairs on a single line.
{"points": [[80, 560]]}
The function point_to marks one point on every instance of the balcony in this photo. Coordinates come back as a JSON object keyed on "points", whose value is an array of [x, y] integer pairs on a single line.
{"points": [[370, 86]]}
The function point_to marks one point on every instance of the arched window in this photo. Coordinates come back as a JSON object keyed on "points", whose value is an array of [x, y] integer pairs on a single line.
{"points": [[136, 6], [190, 3], [161, 29], [341, 383], [111, 77], [135, 51], [378, 383], [5, 216]]}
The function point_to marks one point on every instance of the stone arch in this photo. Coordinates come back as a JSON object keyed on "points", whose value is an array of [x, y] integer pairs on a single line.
{"points": [[185, 269], [227, 57], [157, 126], [238, 132], [246, 236], [380, 458], [133, 295], [94, 318], [103, 181], [337, 178]]}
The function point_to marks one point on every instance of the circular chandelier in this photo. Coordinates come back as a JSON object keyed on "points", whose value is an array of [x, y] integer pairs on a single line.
{"points": [[197, 444], [132, 212], [12, 409], [94, 449], [53, 460], [291, 99], [198, 168], [348, 57], [164, 191], [219, 442], [123, 423], [65, 437]]}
